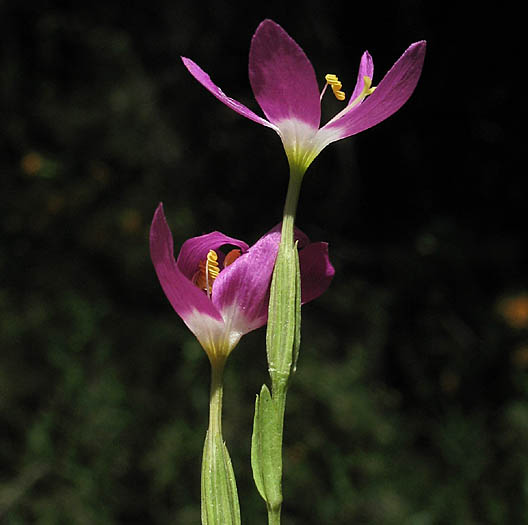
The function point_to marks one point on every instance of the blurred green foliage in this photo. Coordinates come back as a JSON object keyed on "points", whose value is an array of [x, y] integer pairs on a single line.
{"points": [[410, 401]]}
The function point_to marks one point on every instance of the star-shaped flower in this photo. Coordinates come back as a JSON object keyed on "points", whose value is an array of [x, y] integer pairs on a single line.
{"points": [[285, 86]]}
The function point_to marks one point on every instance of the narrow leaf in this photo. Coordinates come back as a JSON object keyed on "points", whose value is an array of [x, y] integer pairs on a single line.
{"points": [[219, 492], [297, 335], [256, 447], [266, 452], [280, 335]]}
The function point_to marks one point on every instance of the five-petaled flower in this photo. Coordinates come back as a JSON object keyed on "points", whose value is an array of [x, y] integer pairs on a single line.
{"points": [[221, 297], [285, 86]]}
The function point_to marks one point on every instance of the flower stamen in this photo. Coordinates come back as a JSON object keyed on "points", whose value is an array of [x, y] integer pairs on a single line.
{"points": [[207, 272], [335, 84], [231, 257], [367, 90], [209, 269]]}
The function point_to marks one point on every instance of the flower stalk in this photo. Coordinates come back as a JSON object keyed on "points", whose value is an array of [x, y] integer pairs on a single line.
{"points": [[282, 335], [282, 344]]}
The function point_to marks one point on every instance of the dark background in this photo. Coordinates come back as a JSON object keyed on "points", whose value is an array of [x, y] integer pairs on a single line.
{"points": [[410, 401]]}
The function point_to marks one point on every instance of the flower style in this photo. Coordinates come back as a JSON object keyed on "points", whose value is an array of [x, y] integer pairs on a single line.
{"points": [[221, 297], [285, 86]]}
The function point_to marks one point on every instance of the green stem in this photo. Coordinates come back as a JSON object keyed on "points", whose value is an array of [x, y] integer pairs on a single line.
{"points": [[282, 345], [290, 208], [274, 516], [215, 399], [280, 382]]}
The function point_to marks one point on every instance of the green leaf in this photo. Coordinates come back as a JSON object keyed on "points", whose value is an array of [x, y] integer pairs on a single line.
{"points": [[219, 492], [283, 315], [266, 448], [297, 334], [256, 445]]}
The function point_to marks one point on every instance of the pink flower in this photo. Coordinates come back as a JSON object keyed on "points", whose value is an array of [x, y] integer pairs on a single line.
{"points": [[222, 296], [285, 86]]}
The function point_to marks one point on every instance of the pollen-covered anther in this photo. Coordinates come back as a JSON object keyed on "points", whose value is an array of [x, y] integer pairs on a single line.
{"points": [[335, 84], [231, 257], [207, 272]]}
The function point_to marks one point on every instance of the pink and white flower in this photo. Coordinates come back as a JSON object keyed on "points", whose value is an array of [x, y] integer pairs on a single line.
{"points": [[285, 86], [222, 296]]}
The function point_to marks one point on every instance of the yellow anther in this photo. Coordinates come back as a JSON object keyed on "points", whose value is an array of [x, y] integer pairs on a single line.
{"points": [[208, 271], [336, 86], [367, 90], [331, 78], [231, 257], [211, 266]]}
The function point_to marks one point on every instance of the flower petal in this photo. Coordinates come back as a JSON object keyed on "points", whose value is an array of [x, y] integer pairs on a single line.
{"points": [[189, 302], [366, 69], [196, 249], [390, 95], [214, 336], [241, 291], [199, 74], [317, 271], [282, 77]]}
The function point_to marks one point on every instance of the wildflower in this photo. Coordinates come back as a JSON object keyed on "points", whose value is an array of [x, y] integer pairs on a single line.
{"points": [[285, 86], [222, 295]]}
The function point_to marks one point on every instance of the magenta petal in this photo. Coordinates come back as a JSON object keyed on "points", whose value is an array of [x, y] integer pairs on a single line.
{"points": [[390, 95], [366, 69], [196, 249], [199, 74], [300, 237], [241, 291], [316, 271], [184, 296], [282, 77]]}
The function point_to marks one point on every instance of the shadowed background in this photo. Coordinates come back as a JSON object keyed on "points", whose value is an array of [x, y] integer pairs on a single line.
{"points": [[410, 401]]}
